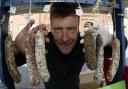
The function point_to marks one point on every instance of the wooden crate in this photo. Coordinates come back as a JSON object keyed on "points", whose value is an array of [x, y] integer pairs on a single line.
{"points": [[87, 80], [91, 85]]}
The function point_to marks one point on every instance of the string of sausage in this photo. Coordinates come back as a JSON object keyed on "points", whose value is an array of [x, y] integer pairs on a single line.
{"points": [[40, 56], [99, 74], [30, 58], [10, 60], [89, 50], [115, 59]]}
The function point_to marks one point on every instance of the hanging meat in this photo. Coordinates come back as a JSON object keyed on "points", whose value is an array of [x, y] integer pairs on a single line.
{"points": [[40, 56], [90, 50], [99, 74], [115, 59], [10, 59], [30, 58]]}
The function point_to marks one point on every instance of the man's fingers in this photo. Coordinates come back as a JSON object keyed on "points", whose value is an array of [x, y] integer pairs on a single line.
{"points": [[46, 51], [30, 23], [41, 27], [47, 39], [45, 32]]}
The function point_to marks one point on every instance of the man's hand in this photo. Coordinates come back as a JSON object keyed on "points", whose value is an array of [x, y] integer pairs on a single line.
{"points": [[21, 37]]}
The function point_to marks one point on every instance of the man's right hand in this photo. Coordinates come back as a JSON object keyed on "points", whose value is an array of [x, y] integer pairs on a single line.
{"points": [[21, 37]]}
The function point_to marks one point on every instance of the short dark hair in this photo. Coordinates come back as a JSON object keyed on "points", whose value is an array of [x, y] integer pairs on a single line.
{"points": [[62, 9]]}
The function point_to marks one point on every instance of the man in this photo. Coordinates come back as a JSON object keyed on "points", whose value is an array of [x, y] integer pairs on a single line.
{"points": [[65, 57]]}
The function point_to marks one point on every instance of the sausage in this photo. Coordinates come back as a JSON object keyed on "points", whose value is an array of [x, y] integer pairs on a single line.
{"points": [[99, 74], [90, 50], [10, 60], [30, 58], [115, 59], [40, 56]]}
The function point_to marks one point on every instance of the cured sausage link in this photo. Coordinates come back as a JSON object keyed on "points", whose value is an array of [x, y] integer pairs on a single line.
{"points": [[99, 74], [90, 50], [10, 60], [115, 59], [40, 56], [30, 58]]}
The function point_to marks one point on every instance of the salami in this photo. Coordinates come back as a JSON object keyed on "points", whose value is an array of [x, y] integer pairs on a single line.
{"points": [[90, 50], [40, 56], [115, 59], [30, 58], [10, 60], [99, 74]]}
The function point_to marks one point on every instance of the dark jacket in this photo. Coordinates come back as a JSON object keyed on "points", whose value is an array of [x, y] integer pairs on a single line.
{"points": [[64, 69]]}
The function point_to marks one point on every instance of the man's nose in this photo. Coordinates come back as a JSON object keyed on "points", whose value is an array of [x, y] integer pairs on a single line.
{"points": [[65, 35]]}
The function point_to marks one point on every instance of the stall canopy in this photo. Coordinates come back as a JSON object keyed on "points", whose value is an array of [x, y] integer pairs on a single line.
{"points": [[21, 2]]}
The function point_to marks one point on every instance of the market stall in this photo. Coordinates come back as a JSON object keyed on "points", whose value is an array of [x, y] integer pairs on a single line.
{"points": [[116, 8]]}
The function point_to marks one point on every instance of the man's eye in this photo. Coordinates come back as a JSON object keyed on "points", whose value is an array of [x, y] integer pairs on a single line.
{"points": [[57, 30], [72, 29]]}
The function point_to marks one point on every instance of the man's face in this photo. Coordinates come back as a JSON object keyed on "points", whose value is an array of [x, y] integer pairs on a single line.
{"points": [[65, 32]]}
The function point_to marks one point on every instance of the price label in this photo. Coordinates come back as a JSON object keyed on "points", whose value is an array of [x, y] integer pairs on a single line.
{"points": [[46, 8], [79, 12], [12, 10]]}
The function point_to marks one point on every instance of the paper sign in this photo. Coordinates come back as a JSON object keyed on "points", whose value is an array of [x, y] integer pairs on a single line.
{"points": [[12, 9], [126, 13], [79, 12], [46, 8]]}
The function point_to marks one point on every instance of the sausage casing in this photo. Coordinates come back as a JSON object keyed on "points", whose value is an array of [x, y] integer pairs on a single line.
{"points": [[10, 60], [30, 58], [40, 56]]}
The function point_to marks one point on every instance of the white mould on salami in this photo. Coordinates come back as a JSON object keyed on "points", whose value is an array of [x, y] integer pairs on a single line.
{"points": [[40, 56], [99, 74], [30, 58], [90, 50], [115, 59], [10, 60]]}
